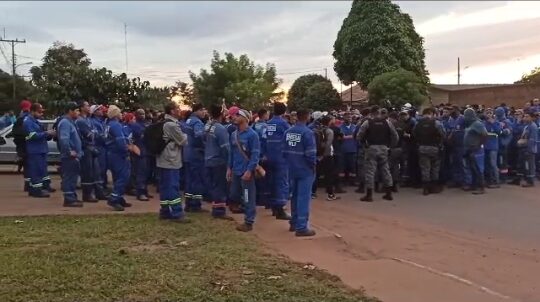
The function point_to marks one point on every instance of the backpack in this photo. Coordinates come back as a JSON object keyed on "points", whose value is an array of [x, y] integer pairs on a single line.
{"points": [[320, 139], [19, 136], [153, 138]]}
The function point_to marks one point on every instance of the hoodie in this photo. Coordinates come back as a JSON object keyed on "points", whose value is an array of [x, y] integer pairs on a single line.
{"points": [[475, 131], [505, 137]]}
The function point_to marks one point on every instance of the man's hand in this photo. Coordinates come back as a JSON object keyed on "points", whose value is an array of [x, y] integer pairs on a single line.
{"points": [[229, 175], [73, 153], [246, 176], [51, 132]]}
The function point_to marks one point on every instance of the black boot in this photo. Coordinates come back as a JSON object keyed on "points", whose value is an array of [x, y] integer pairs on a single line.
{"points": [[388, 195], [427, 189], [281, 214], [369, 196]]}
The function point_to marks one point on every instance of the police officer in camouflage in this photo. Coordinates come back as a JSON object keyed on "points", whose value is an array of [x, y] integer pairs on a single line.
{"points": [[429, 135], [378, 135]]}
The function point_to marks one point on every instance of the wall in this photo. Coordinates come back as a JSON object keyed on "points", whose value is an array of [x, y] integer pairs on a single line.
{"points": [[513, 95], [438, 96]]}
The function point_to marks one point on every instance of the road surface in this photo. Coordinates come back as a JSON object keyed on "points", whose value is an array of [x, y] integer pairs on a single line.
{"points": [[449, 247]]}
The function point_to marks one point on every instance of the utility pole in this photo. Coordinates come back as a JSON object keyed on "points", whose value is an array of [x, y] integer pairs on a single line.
{"points": [[326, 73], [351, 93], [458, 72], [125, 45], [13, 61]]}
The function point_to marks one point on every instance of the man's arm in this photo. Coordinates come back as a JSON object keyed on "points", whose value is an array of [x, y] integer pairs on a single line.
{"points": [[198, 129], [223, 141], [362, 132], [310, 149], [34, 133], [174, 133], [254, 152], [394, 136], [63, 138]]}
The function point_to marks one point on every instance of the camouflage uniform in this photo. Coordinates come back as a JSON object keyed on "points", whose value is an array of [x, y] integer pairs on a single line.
{"points": [[377, 160], [430, 163]]}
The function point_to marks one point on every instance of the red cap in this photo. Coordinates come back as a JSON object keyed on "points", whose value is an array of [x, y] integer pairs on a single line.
{"points": [[233, 110], [128, 117], [26, 105]]}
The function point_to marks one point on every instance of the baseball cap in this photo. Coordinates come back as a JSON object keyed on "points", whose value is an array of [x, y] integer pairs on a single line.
{"points": [[233, 110], [245, 114], [95, 108], [317, 115], [26, 105]]}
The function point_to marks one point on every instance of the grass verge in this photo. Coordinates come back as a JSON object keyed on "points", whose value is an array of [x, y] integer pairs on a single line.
{"points": [[138, 258]]}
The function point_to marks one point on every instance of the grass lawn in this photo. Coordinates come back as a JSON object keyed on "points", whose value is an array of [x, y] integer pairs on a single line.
{"points": [[138, 258]]}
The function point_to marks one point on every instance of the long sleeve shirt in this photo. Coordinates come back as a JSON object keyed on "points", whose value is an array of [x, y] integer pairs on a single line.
{"points": [[68, 138], [248, 141], [116, 140], [299, 151], [275, 132], [217, 145], [36, 136], [194, 128]]}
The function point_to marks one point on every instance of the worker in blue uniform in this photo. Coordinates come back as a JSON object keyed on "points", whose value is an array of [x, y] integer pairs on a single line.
{"points": [[194, 159], [505, 138], [349, 148], [139, 161], [527, 150], [491, 148], [513, 150], [456, 137], [244, 157], [301, 158], [216, 157], [98, 122], [278, 172], [117, 158], [37, 149], [262, 184], [71, 152], [92, 190]]}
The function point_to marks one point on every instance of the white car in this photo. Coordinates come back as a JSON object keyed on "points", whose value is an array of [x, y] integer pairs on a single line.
{"points": [[8, 153]]}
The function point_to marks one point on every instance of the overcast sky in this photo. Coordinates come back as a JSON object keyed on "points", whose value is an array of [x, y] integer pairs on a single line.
{"points": [[497, 41]]}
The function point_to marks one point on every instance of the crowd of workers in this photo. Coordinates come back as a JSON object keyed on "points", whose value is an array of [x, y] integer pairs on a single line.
{"points": [[236, 159]]}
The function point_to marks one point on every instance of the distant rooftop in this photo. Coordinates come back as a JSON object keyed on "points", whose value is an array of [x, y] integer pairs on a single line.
{"points": [[455, 87]]}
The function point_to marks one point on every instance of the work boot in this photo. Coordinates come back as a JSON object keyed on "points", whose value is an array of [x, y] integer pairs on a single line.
{"points": [[40, 194], [244, 227], [143, 198], [124, 203], [305, 233], [116, 207], [515, 182], [426, 189], [73, 204], [368, 197], [388, 195], [527, 184], [479, 191], [90, 199], [361, 189], [281, 214]]}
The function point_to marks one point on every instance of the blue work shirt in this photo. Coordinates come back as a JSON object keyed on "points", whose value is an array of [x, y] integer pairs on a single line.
{"points": [[99, 127], [506, 131], [261, 127], [36, 136], [86, 131], [457, 131], [116, 140], [217, 147], [349, 144], [530, 132], [517, 131], [194, 129], [69, 138], [494, 130], [275, 133], [137, 130], [249, 142], [299, 151]]}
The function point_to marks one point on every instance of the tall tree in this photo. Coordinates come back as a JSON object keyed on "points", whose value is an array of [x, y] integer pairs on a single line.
{"points": [[532, 77], [397, 88], [238, 80], [375, 38], [313, 91], [24, 90]]}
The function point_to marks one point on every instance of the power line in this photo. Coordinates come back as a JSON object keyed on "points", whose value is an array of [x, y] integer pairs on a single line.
{"points": [[13, 61]]}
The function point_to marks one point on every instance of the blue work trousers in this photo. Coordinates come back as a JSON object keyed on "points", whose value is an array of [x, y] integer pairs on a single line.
{"points": [[217, 190], [300, 201], [458, 165], [169, 194], [90, 175], [194, 173], [140, 167], [37, 172], [278, 180], [71, 170], [492, 169], [474, 168], [120, 169], [244, 192], [102, 160]]}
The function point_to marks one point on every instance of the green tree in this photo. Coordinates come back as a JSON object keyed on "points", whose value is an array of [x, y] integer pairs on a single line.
{"points": [[375, 38], [24, 89], [397, 87], [532, 77], [313, 91], [238, 80]]}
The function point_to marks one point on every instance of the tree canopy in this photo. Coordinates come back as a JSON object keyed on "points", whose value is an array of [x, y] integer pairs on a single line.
{"points": [[238, 80], [24, 90], [313, 91], [532, 77], [397, 87], [376, 37], [66, 75]]}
